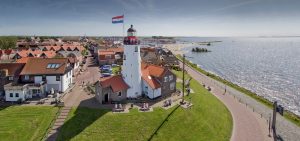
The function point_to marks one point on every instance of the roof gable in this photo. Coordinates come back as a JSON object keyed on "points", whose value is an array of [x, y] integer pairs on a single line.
{"points": [[13, 69]]}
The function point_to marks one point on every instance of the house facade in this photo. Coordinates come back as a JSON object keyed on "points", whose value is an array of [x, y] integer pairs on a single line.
{"points": [[9, 73], [111, 89], [157, 81], [15, 91], [55, 72]]}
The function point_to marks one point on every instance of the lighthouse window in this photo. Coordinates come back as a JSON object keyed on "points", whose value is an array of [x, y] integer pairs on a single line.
{"points": [[136, 49], [124, 57]]}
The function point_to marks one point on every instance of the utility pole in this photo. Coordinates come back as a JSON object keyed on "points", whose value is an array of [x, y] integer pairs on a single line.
{"points": [[274, 120], [183, 64]]}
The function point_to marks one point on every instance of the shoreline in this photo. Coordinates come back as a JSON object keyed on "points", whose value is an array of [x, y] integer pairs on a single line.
{"points": [[176, 49]]}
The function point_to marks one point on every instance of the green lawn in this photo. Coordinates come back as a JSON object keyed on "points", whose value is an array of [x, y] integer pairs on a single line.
{"points": [[25, 123], [208, 119]]}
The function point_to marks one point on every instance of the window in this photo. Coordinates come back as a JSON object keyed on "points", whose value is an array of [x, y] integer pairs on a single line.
{"points": [[10, 78], [52, 66], [17, 94], [58, 78], [124, 57], [26, 77], [44, 78], [136, 49], [172, 86], [166, 79], [120, 94], [170, 77], [11, 95]]}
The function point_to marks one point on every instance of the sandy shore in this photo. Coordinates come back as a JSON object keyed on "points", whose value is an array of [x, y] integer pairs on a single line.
{"points": [[177, 48]]}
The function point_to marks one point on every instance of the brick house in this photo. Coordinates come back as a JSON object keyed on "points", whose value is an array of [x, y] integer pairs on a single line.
{"points": [[111, 89]]}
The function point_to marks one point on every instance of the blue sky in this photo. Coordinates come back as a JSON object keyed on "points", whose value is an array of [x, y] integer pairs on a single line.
{"points": [[151, 17]]}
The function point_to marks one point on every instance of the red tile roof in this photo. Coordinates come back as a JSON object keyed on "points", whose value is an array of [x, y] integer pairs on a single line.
{"points": [[106, 52], [151, 72], [13, 69], [112, 49], [151, 81], [115, 82], [38, 66], [23, 60], [49, 54], [154, 70]]}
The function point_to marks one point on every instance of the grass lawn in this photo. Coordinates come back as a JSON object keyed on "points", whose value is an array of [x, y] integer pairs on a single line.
{"points": [[25, 123], [208, 119]]}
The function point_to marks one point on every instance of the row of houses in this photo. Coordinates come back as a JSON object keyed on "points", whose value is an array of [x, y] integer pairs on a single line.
{"points": [[43, 51], [35, 77], [150, 55]]}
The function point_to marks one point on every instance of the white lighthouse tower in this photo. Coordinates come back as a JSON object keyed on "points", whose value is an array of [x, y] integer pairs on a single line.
{"points": [[131, 70]]}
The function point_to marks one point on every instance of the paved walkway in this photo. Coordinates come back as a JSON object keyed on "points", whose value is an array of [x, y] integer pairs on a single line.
{"points": [[59, 121], [247, 125], [77, 96]]}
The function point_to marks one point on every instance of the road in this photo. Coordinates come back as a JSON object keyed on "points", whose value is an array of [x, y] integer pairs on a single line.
{"points": [[247, 125], [79, 97]]}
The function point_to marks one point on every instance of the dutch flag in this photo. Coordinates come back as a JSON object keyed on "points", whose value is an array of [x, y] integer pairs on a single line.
{"points": [[118, 19]]}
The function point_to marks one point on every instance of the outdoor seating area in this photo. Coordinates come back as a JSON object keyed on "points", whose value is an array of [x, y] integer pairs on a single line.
{"points": [[145, 107], [186, 104], [118, 108], [167, 103]]}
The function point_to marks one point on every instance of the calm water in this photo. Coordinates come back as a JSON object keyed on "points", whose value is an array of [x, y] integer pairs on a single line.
{"points": [[269, 67]]}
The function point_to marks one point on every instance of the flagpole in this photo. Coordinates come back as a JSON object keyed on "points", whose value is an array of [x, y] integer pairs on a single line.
{"points": [[123, 24]]}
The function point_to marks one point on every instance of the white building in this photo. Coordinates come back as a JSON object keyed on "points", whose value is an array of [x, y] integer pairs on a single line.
{"points": [[55, 72], [140, 79], [14, 92], [131, 70]]}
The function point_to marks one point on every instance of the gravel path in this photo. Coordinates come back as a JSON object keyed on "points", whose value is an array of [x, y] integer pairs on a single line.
{"points": [[242, 117]]}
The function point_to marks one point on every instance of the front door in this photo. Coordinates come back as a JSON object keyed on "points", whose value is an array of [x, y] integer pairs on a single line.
{"points": [[106, 98]]}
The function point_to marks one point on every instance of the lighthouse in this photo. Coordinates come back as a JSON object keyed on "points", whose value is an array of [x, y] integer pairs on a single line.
{"points": [[131, 70]]}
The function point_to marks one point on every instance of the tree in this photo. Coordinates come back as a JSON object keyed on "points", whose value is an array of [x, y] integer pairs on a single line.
{"points": [[8, 42]]}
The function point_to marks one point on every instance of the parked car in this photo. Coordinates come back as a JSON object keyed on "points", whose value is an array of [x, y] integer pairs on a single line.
{"points": [[108, 67]]}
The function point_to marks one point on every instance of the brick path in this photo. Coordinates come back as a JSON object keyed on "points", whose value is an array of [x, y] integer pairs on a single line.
{"points": [[52, 135]]}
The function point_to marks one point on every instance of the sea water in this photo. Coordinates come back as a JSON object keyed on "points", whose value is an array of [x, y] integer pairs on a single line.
{"points": [[269, 67]]}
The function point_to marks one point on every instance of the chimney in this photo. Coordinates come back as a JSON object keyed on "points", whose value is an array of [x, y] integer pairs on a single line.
{"points": [[4, 72]]}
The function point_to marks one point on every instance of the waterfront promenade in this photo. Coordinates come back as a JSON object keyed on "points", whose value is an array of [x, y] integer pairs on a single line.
{"points": [[250, 117]]}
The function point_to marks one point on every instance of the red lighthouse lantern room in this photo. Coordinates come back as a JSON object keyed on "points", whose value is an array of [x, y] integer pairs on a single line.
{"points": [[131, 38]]}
